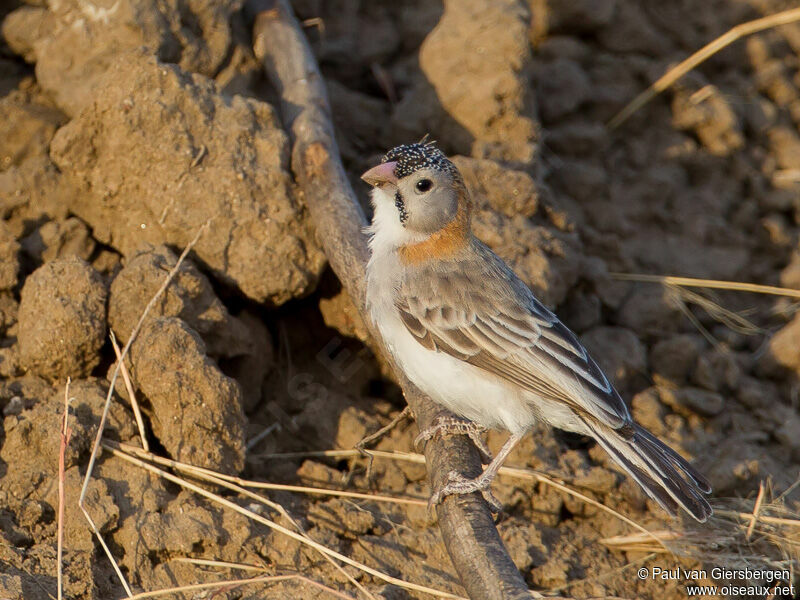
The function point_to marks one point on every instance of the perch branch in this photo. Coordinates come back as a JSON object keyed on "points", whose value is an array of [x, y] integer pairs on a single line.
{"points": [[486, 570]]}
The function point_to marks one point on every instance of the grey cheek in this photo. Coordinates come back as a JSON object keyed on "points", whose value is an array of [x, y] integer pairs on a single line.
{"points": [[430, 218]]}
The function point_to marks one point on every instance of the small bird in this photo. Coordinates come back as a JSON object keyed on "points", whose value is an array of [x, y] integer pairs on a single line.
{"points": [[472, 336]]}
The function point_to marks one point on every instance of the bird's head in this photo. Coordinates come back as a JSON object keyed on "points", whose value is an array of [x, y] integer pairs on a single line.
{"points": [[418, 193]]}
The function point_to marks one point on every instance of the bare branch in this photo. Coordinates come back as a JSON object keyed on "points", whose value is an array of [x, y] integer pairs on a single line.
{"points": [[478, 554]]}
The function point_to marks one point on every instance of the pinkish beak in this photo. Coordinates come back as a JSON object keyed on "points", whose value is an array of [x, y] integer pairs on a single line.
{"points": [[381, 175]]}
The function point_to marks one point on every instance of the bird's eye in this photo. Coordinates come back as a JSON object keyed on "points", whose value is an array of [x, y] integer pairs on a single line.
{"points": [[423, 185]]}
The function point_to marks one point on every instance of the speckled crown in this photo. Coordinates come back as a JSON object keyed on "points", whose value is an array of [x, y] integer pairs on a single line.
{"points": [[413, 157]]}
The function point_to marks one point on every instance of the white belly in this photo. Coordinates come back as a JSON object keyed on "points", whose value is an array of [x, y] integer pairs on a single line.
{"points": [[458, 386]]}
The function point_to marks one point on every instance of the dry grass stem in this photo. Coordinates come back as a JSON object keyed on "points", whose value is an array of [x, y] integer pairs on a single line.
{"points": [[708, 283], [104, 416], [219, 564], [679, 70], [729, 318], [762, 518], [245, 483], [756, 510], [131, 394], [684, 308], [279, 528], [638, 542], [66, 432]]}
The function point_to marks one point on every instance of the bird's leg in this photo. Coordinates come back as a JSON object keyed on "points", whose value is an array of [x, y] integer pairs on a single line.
{"points": [[458, 484], [452, 425]]}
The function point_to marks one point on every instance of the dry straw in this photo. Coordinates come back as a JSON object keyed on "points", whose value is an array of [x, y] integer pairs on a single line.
{"points": [[66, 432], [305, 540], [679, 70]]}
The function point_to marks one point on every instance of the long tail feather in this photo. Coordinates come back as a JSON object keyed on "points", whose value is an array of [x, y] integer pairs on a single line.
{"points": [[663, 474]]}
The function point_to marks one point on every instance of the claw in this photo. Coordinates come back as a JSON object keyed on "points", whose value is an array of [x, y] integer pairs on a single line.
{"points": [[449, 425], [458, 484]]}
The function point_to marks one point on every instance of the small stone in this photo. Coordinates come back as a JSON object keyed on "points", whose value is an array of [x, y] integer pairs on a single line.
{"points": [[674, 357], [10, 586], [648, 411], [195, 410], [650, 310], [62, 319], [581, 15], [790, 275], [783, 350], [14, 406], [9, 258], [60, 239], [703, 402], [581, 179], [563, 86], [707, 112], [581, 311], [354, 425]]}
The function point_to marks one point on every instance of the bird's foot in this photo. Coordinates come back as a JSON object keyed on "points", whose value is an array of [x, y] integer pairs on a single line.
{"points": [[451, 425], [458, 484]]}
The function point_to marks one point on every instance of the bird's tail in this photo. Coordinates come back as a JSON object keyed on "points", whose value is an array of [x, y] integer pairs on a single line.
{"points": [[663, 474]]}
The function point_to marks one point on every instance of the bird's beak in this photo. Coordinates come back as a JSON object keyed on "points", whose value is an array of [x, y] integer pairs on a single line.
{"points": [[381, 175]]}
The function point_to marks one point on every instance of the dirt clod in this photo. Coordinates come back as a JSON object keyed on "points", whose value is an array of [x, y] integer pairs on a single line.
{"points": [[493, 113], [195, 410], [201, 157], [62, 319], [9, 258]]}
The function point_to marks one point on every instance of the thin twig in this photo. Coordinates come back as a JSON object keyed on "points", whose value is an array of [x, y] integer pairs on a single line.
{"points": [[101, 426], [66, 432], [679, 70], [131, 394], [254, 441], [639, 542], [361, 446]]}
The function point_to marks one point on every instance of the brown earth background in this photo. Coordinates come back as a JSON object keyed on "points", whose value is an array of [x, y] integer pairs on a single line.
{"points": [[126, 125]]}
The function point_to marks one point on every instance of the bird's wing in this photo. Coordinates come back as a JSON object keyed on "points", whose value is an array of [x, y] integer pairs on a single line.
{"points": [[483, 314]]}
